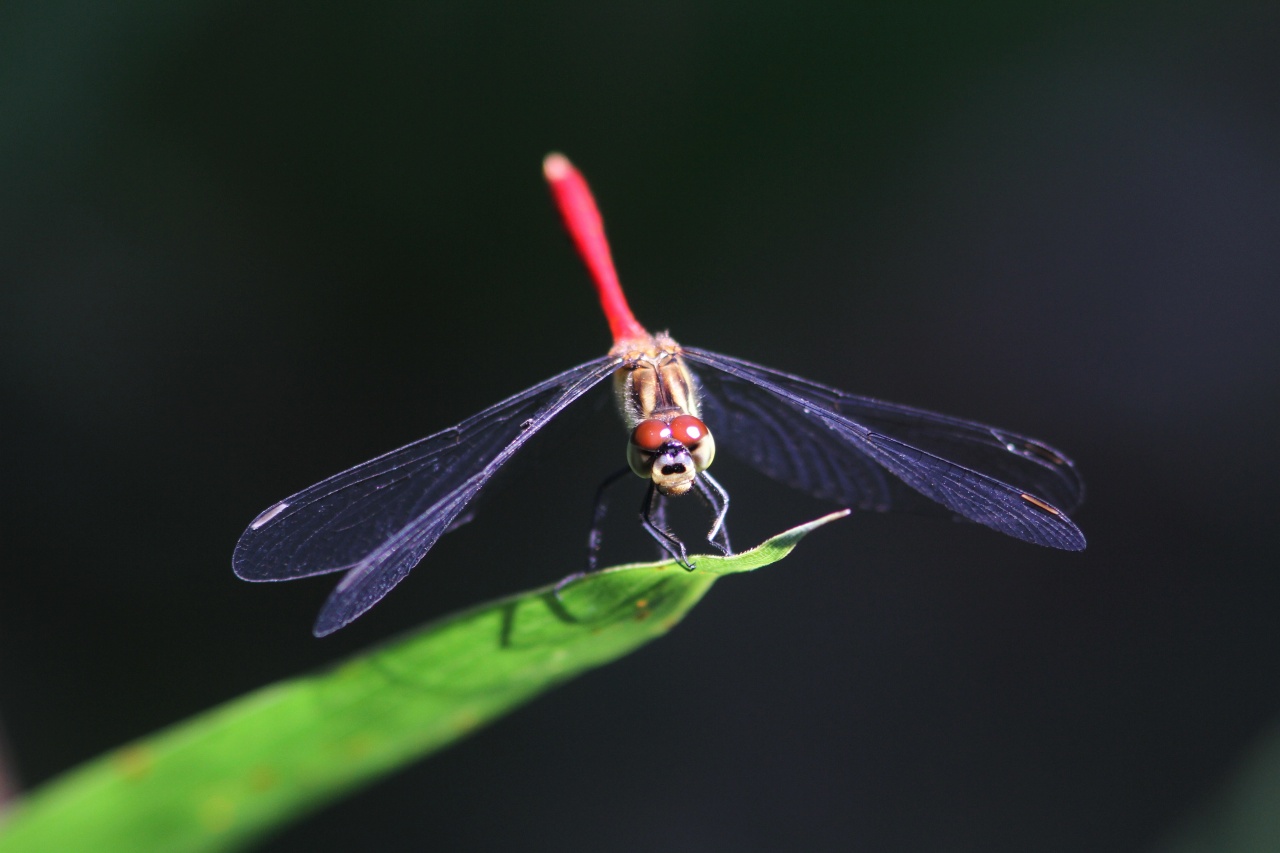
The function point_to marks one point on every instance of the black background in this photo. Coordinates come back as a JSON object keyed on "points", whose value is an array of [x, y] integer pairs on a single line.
{"points": [[243, 246]]}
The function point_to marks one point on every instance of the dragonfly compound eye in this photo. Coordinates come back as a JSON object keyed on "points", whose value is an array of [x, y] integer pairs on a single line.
{"points": [[651, 434], [688, 430]]}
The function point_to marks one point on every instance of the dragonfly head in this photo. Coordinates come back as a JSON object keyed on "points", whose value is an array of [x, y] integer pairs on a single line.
{"points": [[671, 453]]}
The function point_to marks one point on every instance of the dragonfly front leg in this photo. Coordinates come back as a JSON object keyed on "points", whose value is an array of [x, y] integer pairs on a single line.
{"points": [[715, 497], [651, 518]]}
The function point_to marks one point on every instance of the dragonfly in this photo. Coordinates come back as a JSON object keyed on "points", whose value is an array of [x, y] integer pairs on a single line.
{"points": [[378, 520]]}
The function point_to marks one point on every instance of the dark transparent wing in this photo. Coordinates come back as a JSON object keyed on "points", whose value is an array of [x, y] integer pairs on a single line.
{"points": [[863, 452], [377, 520]]}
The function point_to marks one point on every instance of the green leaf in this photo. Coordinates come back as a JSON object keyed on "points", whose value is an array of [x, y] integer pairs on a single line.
{"points": [[229, 775]]}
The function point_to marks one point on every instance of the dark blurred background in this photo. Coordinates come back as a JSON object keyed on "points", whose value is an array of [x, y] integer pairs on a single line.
{"points": [[243, 246]]}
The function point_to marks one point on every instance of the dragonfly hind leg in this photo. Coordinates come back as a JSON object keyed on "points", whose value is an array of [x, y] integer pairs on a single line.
{"points": [[717, 499], [596, 536]]}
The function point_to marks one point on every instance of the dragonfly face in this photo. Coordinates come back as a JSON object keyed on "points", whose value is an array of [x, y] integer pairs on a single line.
{"points": [[658, 400]]}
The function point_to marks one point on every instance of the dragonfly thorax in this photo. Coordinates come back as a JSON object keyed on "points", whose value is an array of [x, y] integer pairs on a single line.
{"points": [[652, 381], [658, 400]]}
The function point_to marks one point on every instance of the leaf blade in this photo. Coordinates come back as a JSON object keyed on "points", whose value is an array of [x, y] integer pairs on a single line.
{"points": [[231, 774]]}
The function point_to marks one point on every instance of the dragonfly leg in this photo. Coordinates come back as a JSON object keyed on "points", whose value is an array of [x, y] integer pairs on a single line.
{"points": [[659, 516], [596, 536], [651, 516], [715, 497]]}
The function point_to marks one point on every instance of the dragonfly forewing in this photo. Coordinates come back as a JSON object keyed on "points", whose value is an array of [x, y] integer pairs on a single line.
{"points": [[378, 519]]}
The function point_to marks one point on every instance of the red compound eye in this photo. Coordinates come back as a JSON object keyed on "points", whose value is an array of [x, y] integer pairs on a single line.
{"points": [[651, 435], [688, 430]]}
